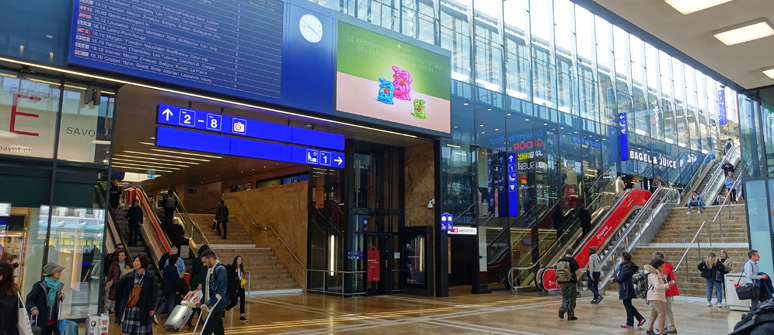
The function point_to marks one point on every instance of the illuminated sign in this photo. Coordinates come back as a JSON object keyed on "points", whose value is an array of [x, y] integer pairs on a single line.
{"points": [[463, 231], [648, 158]]}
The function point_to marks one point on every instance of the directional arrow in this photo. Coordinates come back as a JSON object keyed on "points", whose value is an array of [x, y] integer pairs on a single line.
{"points": [[510, 158], [167, 113], [513, 187], [338, 160]]}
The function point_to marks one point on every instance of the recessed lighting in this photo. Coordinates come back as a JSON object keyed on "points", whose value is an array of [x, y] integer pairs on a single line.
{"points": [[102, 142], [167, 155], [489, 109], [481, 125], [147, 143], [153, 158], [455, 127], [769, 73], [186, 153], [264, 166], [49, 36], [483, 132], [744, 32], [497, 129], [686, 7], [545, 124], [509, 114], [465, 104], [527, 120]]}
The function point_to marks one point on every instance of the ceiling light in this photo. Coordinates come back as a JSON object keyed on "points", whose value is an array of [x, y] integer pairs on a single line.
{"points": [[49, 36], [134, 161], [153, 158], [769, 73], [744, 32], [136, 168], [102, 142], [686, 7], [168, 156], [147, 166], [187, 153], [147, 143]]}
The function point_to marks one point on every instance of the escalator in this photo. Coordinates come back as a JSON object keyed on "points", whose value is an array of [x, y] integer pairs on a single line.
{"points": [[153, 240], [715, 184]]}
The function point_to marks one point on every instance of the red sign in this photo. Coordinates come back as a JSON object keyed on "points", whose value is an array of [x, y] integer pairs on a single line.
{"points": [[549, 279], [374, 262]]}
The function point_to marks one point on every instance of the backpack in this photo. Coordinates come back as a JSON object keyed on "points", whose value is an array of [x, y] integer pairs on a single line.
{"points": [[563, 272], [759, 321], [234, 284], [170, 202], [640, 281]]}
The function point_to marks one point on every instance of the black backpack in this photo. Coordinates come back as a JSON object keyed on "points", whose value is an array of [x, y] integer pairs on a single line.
{"points": [[760, 321], [233, 281]]}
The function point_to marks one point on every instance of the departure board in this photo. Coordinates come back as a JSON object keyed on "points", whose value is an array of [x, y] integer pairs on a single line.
{"points": [[226, 46]]}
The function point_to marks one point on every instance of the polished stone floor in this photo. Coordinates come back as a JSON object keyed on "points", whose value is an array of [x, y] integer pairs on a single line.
{"points": [[496, 313]]}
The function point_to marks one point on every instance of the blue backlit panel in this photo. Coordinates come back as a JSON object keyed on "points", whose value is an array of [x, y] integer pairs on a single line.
{"points": [[244, 147], [226, 124]]}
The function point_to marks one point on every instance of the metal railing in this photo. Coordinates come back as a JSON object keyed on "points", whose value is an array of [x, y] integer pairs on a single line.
{"points": [[698, 176], [717, 217], [270, 228], [639, 227], [155, 238], [329, 273], [196, 237], [716, 182]]}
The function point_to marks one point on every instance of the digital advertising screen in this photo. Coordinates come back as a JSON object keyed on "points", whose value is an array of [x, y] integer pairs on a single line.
{"points": [[382, 78]]}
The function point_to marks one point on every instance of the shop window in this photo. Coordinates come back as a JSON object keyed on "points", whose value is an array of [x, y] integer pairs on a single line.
{"points": [[86, 129], [28, 112]]}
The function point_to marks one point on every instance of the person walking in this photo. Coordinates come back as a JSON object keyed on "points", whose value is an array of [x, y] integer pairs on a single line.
{"points": [[657, 183], [221, 215], [109, 258], [567, 272], [728, 146], [671, 292], [752, 276], [585, 219], [215, 294], [695, 201], [134, 215], [240, 270], [730, 187], [198, 275], [170, 204], [711, 270], [626, 270], [119, 267], [594, 271], [9, 300], [115, 194], [727, 167], [170, 280], [137, 292], [657, 286], [45, 297]]}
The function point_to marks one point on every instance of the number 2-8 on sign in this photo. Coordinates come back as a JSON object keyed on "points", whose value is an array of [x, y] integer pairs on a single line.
{"points": [[213, 122], [187, 117]]}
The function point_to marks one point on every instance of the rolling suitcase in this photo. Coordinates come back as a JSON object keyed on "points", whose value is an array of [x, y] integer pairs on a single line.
{"points": [[178, 318]]}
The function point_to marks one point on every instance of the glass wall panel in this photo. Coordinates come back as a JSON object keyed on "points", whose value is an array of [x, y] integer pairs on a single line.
{"points": [[752, 141], [489, 56], [28, 116], [517, 56], [455, 37], [605, 62], [86, 129], [543, 66]]}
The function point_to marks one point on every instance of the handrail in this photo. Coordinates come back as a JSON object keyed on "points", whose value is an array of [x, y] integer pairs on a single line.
{"points": [[607, 215], [731, 156], [269, 227], [151, 215], [698, 176], [701, 227], [662, 196], [324, 284], [194, 227]]}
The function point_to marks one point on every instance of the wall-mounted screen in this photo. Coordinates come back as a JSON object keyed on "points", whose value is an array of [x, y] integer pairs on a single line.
{"points": [[382, 78]]}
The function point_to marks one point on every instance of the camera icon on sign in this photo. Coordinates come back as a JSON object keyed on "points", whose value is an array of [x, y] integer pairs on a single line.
{"points": [[239, 126]]}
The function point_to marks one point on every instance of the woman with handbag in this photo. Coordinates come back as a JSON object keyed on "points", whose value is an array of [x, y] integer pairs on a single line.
{"points": [[137, 292], [9, 302], [240, 271], [44, 299], [119, 268], [712, 270], [626, 293]]}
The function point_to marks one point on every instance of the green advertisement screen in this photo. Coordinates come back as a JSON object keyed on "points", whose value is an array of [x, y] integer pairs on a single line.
{"points": [[385, 79]]}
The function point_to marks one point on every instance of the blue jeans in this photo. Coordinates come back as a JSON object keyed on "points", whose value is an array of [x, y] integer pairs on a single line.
{"points": [[593, 283], [718, 289], [695, 204]]}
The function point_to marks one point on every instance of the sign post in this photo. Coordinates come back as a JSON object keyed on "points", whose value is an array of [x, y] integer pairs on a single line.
{"points": [[513, 185], [623, 138]]}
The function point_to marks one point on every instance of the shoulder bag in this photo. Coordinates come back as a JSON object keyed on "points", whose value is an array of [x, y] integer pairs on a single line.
{"points": [[134, 295], [23, 324], [746, 292]]}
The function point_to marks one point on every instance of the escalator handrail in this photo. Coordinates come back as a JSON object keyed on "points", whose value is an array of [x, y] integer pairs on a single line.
{"points": [[532, 225], [194, 226], [161, 236], [644, 226], [117, 237], [606, 216], [731, 156], [698, 176]]}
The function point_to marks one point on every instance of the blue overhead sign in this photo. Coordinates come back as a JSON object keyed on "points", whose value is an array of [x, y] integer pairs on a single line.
{"points": [[722, 104], [244, 147], [447, 222], [513, 185], [226, 124], [623, 137]]}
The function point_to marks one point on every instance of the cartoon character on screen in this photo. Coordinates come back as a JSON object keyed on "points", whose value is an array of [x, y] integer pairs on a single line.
{"points": [[419, 109], [386, 89], [402, 81]]}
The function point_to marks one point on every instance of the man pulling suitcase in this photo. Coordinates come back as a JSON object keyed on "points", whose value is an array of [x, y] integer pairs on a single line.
{"points": [[215, 298]]}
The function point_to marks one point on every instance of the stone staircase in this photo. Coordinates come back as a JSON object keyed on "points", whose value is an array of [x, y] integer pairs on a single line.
{"points": [[266, 270], [678, 231]]}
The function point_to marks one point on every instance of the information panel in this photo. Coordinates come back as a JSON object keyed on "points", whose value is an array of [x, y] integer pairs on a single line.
{"points": [[228, 46]]}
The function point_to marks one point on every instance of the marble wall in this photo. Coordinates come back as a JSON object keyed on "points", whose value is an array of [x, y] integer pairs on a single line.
{"points": [[420, 184], [283, 208]]}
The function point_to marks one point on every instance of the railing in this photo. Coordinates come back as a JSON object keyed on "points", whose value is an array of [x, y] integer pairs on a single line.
{"points": [[640, 226], [196, 237], [326, 274], [737, 182], [698, 176], [270, 228], [157, 241], [716, 182]]}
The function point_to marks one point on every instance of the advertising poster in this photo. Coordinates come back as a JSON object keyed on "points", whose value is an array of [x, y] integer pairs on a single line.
{"points": [[385, 79]]}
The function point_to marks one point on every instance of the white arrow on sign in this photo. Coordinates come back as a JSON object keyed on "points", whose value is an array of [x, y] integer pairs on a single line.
{"points": [[513, 187], [510, 158], [167, 113], [338, 160]]}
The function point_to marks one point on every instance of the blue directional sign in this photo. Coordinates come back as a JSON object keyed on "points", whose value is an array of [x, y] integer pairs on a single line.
{"points": [[447, 222], [513, 185], [226, 124], [243, 147], [325, 158], [623, 137]]}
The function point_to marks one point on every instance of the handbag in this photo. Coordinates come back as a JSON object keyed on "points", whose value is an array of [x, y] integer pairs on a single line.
{"points": [[23, 325], [134, 295], [746, 292], [718, 277]]}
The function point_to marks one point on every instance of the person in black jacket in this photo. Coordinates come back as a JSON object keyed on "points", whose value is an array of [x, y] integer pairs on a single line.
{"points": [[626, 290], [44, 299], [139, 318], [109, 258], [221, 215], [169, 203], [727, 167], [558, 217], [169, 286], [712, 271], [135, 220], [585, 219], [115, 194], [9, 300]]}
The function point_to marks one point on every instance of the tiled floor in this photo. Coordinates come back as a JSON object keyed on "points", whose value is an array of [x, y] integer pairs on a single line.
{"points": [[496, 313]]}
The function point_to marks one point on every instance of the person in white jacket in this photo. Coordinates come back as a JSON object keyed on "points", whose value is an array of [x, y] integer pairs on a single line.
{"points": [[594, 271], [657, 286]]}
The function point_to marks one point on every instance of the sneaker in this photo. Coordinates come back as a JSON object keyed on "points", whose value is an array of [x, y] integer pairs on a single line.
{"points": [[641, 322], [594, 301], [242, 319], [688, 212], [626, 326], [600, 299], [723, 304], [650, 332], [572, 318], [709, 303], [671, 331], [700, 211], [561, 314]]}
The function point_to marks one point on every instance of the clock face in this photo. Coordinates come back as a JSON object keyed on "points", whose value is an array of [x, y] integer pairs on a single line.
{"points": [[311, 28]]}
